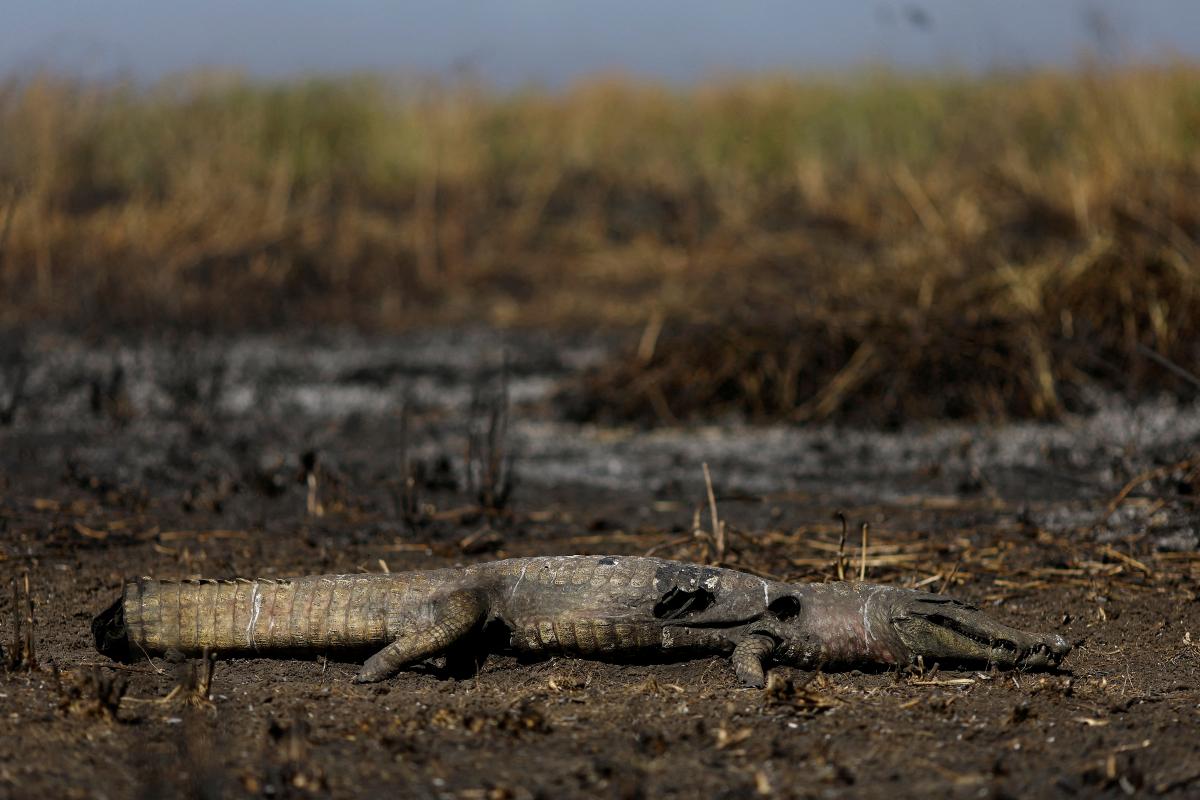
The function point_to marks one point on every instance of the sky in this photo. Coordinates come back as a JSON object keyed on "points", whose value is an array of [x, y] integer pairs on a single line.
{"points": [[556, 42]]}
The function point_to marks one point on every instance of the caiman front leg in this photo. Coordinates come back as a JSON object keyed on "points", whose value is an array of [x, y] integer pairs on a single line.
{"points": [[748, 657], [448, 620]]}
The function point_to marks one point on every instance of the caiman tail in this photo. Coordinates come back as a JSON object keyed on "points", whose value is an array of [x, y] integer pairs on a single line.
{"points": [[108, 628], [313, 613]]}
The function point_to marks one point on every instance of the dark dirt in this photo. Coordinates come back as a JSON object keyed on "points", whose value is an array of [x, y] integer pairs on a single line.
{"points": [[181, 458]]}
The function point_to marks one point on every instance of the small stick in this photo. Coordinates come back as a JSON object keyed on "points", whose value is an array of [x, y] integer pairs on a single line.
{"points": [[23, 655], [1148, 475], [9, 211], [926, 581], [950, 578], [1109, 550], [409, 504], [29, 654], [311, 466], [841, 561], [12, 661], [120, 667], [862, 566], [1169, 365], [670, 543], [203, 689], [717, 528], [649, 340], [699, 535]]}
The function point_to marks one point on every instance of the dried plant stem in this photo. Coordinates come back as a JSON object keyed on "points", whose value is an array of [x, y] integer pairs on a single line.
{"points": [[950, 578], [649, 339], [24, 654], [718, 527], [313, 504], [1169, 365], [1148, 475], [841, 552], [862, 565]]}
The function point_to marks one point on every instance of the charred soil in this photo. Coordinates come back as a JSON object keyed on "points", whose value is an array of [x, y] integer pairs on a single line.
{"points": [[143, 470]]}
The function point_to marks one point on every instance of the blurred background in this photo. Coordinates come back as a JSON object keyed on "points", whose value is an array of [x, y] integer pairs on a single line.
{"points": [[876, 212]]}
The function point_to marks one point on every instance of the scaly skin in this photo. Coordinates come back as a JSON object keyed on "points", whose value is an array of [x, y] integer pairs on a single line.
{"points": [[589, 606]]}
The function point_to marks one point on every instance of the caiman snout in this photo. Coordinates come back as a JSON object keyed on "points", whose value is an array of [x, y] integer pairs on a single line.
{"points": [[939, 628]]}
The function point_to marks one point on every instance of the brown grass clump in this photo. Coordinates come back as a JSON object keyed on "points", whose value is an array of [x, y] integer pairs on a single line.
{"points": [[991, 343], [878, 246]]}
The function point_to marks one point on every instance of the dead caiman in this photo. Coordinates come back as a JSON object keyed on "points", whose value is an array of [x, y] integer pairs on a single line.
{"points": [[608, 607]]}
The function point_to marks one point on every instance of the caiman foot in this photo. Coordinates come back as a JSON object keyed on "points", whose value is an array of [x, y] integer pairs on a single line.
{"points": [[748, 657]]}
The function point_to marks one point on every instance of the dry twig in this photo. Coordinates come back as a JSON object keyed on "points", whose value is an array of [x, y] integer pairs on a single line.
{"points": [[862, 567], [841, 560], [718, 527], [22, 655]]}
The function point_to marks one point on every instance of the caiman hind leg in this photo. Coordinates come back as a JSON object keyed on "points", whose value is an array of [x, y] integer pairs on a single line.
{"points": [[451, 618]]}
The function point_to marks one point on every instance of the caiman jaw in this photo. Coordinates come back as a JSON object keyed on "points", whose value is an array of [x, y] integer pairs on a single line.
{"points": [[938, 628]]}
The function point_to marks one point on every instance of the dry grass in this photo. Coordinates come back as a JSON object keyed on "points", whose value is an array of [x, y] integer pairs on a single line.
{"points": [[878, 246]]}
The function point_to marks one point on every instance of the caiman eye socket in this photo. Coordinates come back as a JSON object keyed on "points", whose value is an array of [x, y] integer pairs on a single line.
{"points": [[784, 607], [676, 602]]}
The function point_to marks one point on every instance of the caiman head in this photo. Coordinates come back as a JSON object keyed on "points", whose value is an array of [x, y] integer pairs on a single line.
{"points": [[940, 629], [840, 624], [843, 624]]}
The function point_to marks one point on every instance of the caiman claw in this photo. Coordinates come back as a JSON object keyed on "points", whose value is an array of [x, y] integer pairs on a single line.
{"points": [[938, 628]]}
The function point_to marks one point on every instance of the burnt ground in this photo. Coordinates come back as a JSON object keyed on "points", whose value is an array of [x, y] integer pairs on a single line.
{"points": [[189, 457]]}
